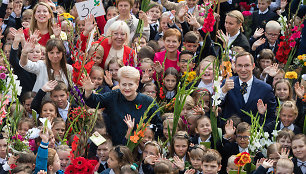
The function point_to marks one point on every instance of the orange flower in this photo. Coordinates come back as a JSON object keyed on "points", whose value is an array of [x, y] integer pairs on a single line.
{"points": [[226, 68], [140, 133], [134, 138], [245, 158]]}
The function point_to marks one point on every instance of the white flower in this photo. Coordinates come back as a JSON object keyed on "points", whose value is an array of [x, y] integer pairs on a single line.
{"points": [[274, 133], [43, 120], [252, 148], [264, 151], [257, 144], [266, 135], [33, 133]]}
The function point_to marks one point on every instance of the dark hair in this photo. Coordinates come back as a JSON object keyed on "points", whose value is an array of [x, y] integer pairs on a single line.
{"points": [[147, 85], [22, 168], [174, 72], [137, 35], [27, 95], [243, 127], [26, 157], [154, 45], [124, 155], [180, 135], [146, 52], [186, 52], [212, 155], [163, 167], [191, 37], [56, 43], [52, 103]]}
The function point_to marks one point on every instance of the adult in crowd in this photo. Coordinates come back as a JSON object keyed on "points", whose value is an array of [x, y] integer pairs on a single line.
{"points": [[246, 92], [118, 103]]}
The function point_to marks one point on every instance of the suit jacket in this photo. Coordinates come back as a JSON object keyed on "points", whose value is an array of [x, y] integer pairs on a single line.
{"points": [[296, 169], [233, 102], [241, 41], [260, 20], [270, 127], [177, 6]]}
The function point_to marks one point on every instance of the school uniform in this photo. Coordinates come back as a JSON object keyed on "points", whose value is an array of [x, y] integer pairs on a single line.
{"points": [[260, 18], [270, 127], [153, 30], [299, 166]]}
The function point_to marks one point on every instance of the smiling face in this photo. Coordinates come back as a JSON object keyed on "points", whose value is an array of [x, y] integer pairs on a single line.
{"points": [[285, 142], [128, 88], [180, 147], [183, 63], [282, 91], [60, 98], [242, 139], [55, 56], [35, 54], [171, 43], [287, 116], [244, 67], [118, 38], [154, 13], [42, 14], [203, 127], [208, 76], [163, 23], [48, 111], [64, 159], [96, 77], [299, 149]]}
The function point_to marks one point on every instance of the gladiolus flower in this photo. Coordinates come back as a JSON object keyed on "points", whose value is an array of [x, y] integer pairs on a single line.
{"points": [[292, 44], [2, 76], [246, 13], [291, 75], [134, 138]]}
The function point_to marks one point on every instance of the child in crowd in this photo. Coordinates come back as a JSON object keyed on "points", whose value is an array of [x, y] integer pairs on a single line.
{"points": [[96, 52], [202, 98], [139, 42], [163, 166], [180, 145], [206, 71], [196, 153], [113, 67], [58, 129], [284, 138], [231, 164], [211, 162], [149, 89], [171, 79], [147, 70], [299, 152], [186, 61], [26, 101], [24, 125], [154, 14], [111, 12], [97, 77], [264, 61], [63, 152], [150, 156], [103, 151]]}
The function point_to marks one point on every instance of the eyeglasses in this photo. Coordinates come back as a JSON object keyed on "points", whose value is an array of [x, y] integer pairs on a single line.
{"points": [[273, 35], [245, 66], [242, 137]]}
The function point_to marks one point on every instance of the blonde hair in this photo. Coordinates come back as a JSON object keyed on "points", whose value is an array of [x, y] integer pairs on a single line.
{"points": [[238, 15], [116, 26], [163, 167], [27, 12], [189, 103], [64, 148], [34, 26], [96, 47], [285, 163], [273, 25], [197, 151], [274, 148], [147, 60], [290, 104], [285, 133], [231, 160], [128, 72]]}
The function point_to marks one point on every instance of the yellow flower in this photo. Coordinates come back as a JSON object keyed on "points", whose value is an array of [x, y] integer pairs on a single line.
{"points": [[304, 63], [67, 15], [291, 75]]}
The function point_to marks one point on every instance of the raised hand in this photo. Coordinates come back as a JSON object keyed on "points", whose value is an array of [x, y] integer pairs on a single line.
{"points": [[28, 46], [49, 86], [228, 85], [87, 85], [299, 90], [223, 37], [259, 162], [267, 164], [198, 110], [273, 70], [261, 107], [158, 67], [143, 16], [36, 35], [284, 153], [258, 43], [180, 164], [182, 12], [258, 33], [229, 128], [89, 24], [44, 136], [41, 172], [192, 20], [108, 78], [150, 159], [190, 171], [129, 121], [56, 28]]}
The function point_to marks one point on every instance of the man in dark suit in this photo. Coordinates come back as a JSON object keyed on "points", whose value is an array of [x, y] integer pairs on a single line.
{"points": [[246, 92]]}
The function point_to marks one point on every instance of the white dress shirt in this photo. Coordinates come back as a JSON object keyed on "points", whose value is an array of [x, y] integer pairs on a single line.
{"points": [[281, 126], [263, 12], [231, 39], [247, 94], [64, 112], [209, 86], [243, 150]]}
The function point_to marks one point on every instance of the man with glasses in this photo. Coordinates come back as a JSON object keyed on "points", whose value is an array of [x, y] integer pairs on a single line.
{"points": [[246, 92], [271, 41]]}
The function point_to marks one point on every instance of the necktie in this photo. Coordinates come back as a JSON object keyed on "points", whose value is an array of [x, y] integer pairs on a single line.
{"points": [[155, 27], [243, 89], [300, 163]]}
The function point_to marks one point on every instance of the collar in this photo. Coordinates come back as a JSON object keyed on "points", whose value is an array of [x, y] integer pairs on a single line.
{"points": [[263, 12], [153, 24], [111, 171], [2, 161], [248, 82], [272, 45], [66, 108], [103, 162], [235, 36], [300, 163], [207, 140], [191, 10], [242, 149], [291, 127]]}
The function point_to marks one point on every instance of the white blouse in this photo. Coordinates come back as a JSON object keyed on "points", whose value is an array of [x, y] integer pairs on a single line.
{"points": [[40, 69]]}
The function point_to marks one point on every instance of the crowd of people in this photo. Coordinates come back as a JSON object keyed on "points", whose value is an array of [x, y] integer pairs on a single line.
{"points": [[42, 39]]}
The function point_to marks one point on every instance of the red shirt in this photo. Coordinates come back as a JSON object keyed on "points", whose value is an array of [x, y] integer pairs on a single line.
{"points": [[43, 38]]}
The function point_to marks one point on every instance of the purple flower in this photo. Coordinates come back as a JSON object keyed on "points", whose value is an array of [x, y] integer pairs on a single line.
{"points": [[2, 76]]}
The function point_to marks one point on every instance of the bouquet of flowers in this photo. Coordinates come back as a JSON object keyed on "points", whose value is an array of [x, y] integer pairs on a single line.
{"points": [[82, 165], [240, 161]]}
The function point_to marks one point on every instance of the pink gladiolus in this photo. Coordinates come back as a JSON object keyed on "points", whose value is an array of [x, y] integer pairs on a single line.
{"points": [[246, 13], [295, 28], [2, 76], [302, 25]]}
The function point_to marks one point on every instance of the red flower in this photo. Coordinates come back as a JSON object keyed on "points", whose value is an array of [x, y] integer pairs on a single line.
{"points": [[69, 170], [246, 13], [92, 164], [13, 166], [75, 143], [161, 93], [209, 21], [79, 163]]}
